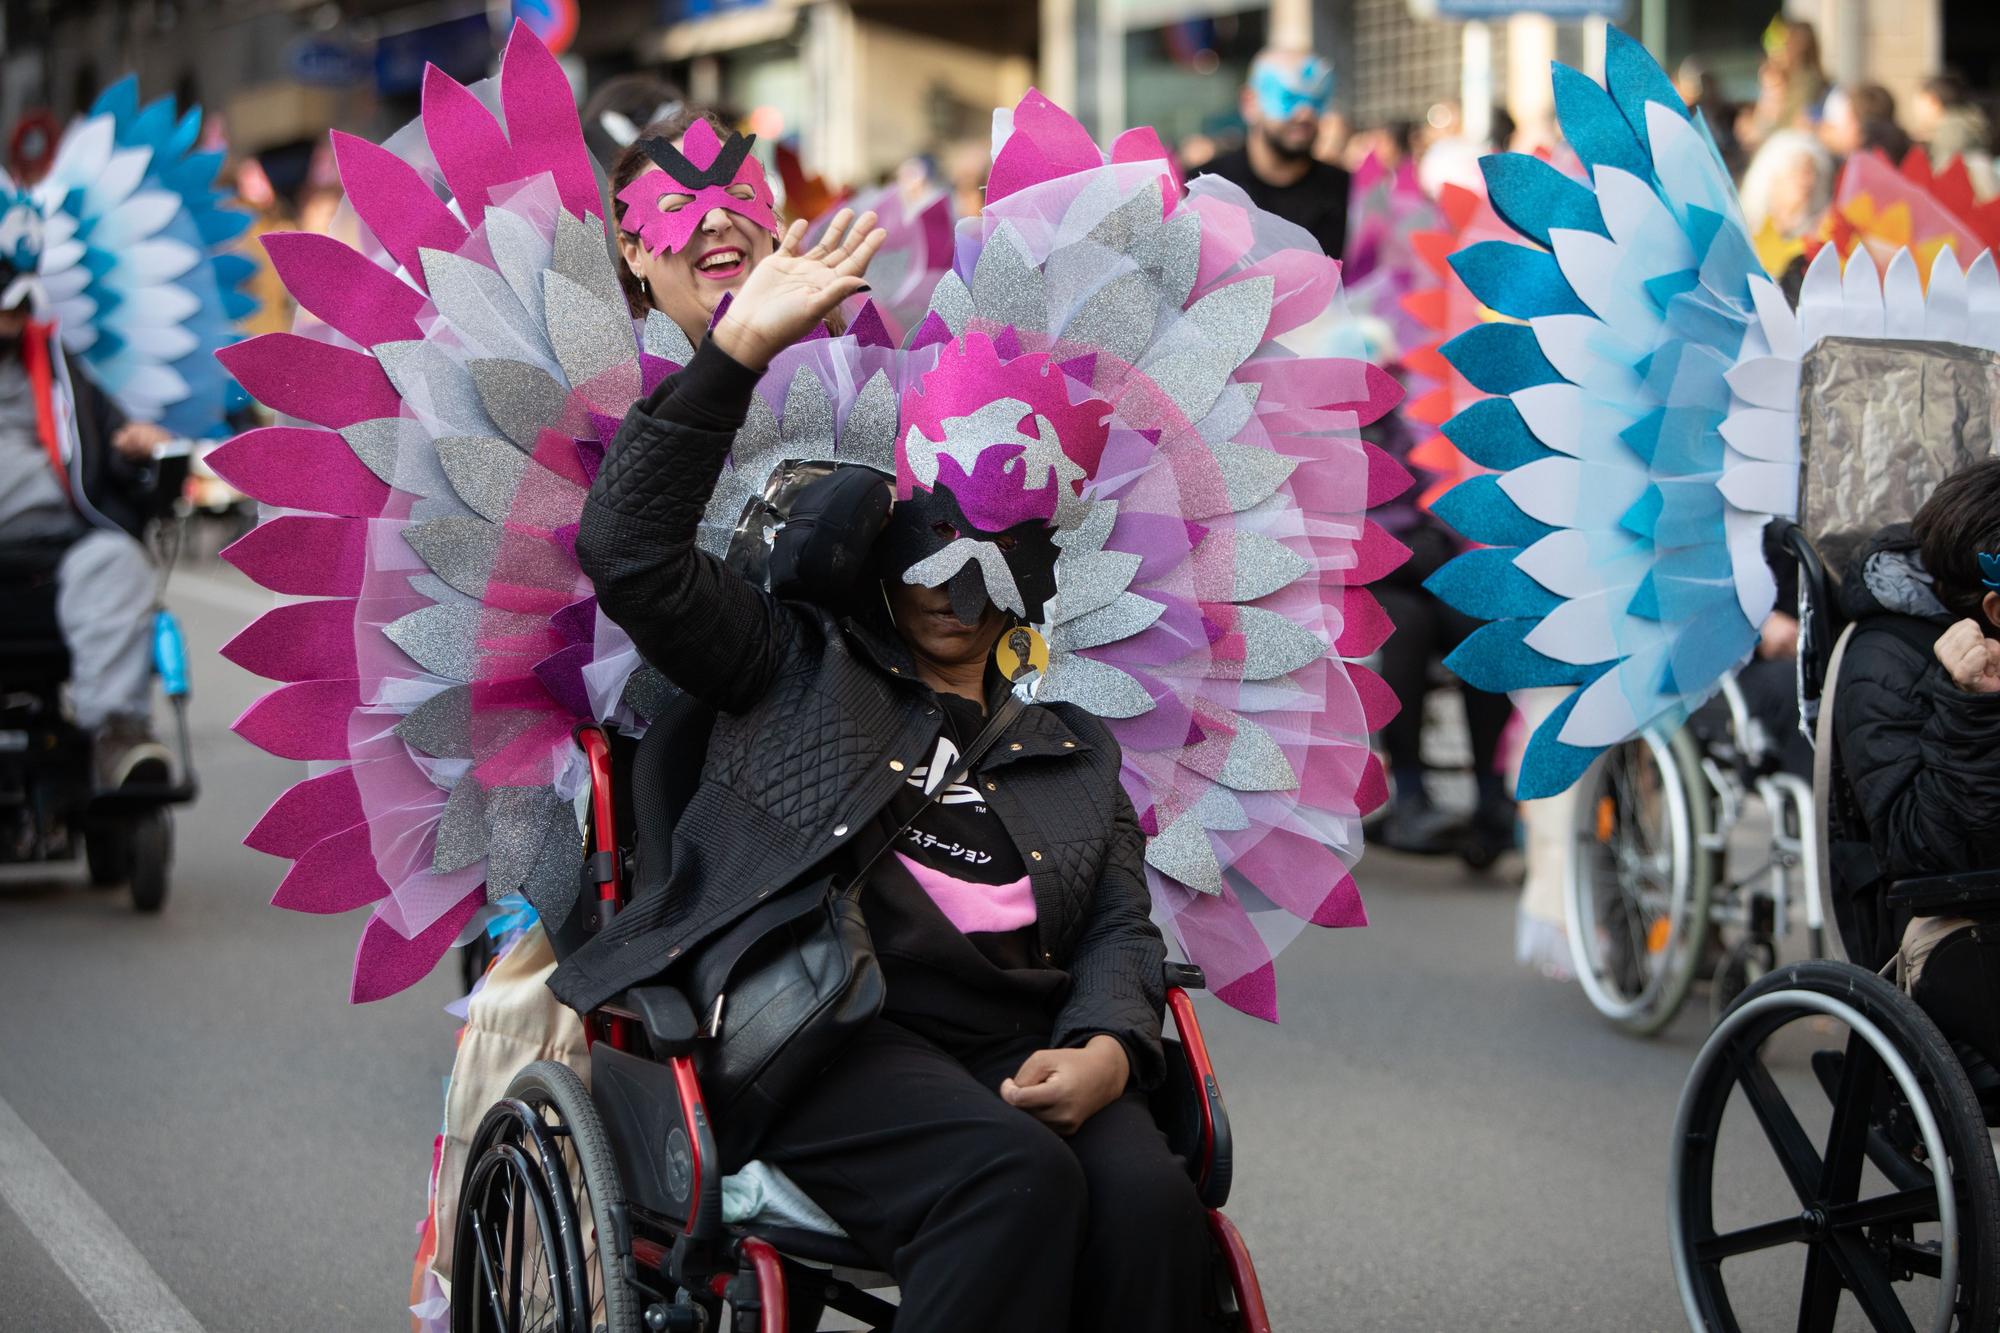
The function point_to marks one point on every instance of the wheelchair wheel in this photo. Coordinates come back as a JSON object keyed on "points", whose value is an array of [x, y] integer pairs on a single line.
{"points": [[107, 852], [542, 1244], [1884, 1193], [152, 843], [1638, 884]]}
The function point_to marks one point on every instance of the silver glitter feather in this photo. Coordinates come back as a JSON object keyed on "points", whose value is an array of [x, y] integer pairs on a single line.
{"points": [[1251, 475], [522, 254], [664, 339], [1200, 351], [1117, 318], [1006, 285], [1090, 581], [443, 640], [1096, 687], [1182, 852], [952, 303], [397, 450], [435, 385], [461, 551], [485, 471], [1264, 565], [1273, 645], [1232, 411], [868, 436], [1128, 229], [806, 429], [517, 820], [646, 692], [1127, 614], [485, 316], [461, 830], [521, 399], [581, 256], [592, 339], [1174, 257], [1248, 761], [552, 882], [440, 726], [935, 570]]}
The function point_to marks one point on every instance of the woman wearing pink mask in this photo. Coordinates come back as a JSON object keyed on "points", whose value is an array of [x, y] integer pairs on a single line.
{"points": [[696, 215]]}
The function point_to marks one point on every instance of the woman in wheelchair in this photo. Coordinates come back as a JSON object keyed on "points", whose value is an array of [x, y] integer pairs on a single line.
{"points": [[1917, 722], [986, 1139]]}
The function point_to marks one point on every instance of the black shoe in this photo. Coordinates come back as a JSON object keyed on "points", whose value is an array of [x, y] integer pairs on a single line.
{"points": [[124, 752], [1420, 828]]}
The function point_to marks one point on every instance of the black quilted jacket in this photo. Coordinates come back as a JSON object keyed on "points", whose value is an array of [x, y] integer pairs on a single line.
{"points": [[817, 716]]}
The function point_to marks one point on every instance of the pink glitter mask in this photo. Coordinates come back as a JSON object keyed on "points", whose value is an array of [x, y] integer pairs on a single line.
{"points": [[707, 170]]}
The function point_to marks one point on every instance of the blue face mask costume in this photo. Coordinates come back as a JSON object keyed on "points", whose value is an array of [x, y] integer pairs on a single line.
{"points": [[1280, 92], [1989, 570]]}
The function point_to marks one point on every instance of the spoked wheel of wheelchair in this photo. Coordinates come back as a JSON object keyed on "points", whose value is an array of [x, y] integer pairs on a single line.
{"points": [[1638, 883], [541, 1243], [1891, 1194]]}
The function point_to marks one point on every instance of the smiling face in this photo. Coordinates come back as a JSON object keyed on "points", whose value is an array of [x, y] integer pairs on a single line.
{"points": [[694, 232]]}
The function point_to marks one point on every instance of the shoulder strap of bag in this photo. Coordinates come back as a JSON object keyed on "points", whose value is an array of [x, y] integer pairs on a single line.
{"points": [[1011, 706]]}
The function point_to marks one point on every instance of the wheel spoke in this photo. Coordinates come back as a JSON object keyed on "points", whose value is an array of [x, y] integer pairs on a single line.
{"points": [[1819, 1303], [1862, 1272], [1766, 1236], [517, 1227], [1795, 1151], [1917, 1205], [1847, 1134], [492, 1278]]}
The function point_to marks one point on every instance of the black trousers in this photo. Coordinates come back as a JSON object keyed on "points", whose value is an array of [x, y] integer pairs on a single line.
{"points": [[987, 1218], [1426, 630]]}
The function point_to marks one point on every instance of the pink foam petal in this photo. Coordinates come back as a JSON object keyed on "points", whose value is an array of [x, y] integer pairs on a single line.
{"points": [[542, 127], [1379, 704], [313, 809], [336, 874], [1227, 234], [1305, 878], [295, 468], [304, 555], [385, 962], [466, 141], [398, 205], [1387, 478], [931, 332], [307, 720], [1143, 145], [1047, 143], [315, 381], [1253, 993], [1376, 554], [1364, 625], [341, 286], [298, 641], [868, 328]]}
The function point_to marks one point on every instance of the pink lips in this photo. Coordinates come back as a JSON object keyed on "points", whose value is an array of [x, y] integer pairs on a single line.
{"points": [[720, 272]]}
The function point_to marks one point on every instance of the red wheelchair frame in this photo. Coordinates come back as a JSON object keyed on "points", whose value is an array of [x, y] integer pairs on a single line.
{"points": [[668, 1241]]}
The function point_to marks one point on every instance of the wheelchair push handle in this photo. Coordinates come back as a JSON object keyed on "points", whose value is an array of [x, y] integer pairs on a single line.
{"points": [[170, 657]]}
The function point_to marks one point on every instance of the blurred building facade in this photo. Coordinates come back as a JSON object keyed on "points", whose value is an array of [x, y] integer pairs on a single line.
{"points": [[863, 85]]}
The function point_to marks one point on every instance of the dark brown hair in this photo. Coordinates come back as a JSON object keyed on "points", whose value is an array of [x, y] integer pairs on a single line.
{"points": [[1961, 519]]}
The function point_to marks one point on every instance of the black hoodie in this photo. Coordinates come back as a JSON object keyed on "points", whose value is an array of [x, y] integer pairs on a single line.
{"points": [[1918, 759]]}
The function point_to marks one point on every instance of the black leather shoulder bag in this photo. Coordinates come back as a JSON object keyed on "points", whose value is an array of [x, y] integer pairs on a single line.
{"points": [[782, 991]]}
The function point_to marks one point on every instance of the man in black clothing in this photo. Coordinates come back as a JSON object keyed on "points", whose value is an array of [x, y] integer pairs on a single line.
{"points": [[1282, 104]]}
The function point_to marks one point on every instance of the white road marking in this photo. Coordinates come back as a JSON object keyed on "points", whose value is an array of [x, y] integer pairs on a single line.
{"points": [[83, 1240], [214, 592]]}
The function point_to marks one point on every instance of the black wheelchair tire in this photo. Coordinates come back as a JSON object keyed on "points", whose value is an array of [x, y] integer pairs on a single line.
{"points": [[556, 1097], [152, 843], [1821, 989], [107, 852]]}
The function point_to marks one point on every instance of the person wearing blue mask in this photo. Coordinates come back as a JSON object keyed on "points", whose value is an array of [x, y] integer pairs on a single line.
{"points": [[1282, 105]]}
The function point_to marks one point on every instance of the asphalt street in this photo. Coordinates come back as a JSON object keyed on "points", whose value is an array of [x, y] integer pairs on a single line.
{"points": [[1433, 1139]]}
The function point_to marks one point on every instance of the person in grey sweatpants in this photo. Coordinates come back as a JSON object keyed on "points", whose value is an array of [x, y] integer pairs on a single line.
{"points": [[77, 483]]}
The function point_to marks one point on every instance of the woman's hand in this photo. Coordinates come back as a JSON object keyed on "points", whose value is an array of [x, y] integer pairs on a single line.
{"points": [[787, 295], [1971, 659], [1062, 1089], [140, 440]]}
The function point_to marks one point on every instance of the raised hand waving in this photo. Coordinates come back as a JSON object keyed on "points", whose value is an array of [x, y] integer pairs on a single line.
{"points": [[788, 295]]}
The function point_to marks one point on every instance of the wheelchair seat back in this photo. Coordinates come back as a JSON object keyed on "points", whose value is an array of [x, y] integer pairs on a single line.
{"points": [[32, 653]]}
